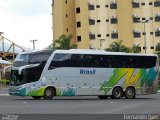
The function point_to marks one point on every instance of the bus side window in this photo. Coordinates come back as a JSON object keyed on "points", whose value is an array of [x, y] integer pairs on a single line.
{"points": [[60, 60]]}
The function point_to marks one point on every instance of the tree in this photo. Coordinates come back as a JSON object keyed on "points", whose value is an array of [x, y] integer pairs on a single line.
{"points": [[63, 42], [136, 49], [118, 47]]}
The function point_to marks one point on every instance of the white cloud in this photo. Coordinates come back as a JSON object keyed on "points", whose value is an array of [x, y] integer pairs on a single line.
{"points": [[24, 24]]}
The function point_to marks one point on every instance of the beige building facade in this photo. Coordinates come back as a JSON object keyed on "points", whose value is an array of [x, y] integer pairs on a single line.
{"points": [[98, 23]]}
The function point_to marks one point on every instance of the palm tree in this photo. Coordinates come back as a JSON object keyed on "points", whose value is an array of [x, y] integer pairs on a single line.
{"points": [[118, 47], [136, 49], [63, 42]]}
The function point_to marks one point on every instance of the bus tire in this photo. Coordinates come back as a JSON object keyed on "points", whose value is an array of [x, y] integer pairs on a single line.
{"points": [[117, 93], [130, 93], [49, 93], [103, 97], [36, 97]]}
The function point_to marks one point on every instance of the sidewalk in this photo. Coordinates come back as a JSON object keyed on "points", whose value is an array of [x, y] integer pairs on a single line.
{"points": [[3, 90]]}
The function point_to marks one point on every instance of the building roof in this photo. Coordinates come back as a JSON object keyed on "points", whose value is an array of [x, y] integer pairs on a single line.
{"points": [[4, 62], [17, 49]]}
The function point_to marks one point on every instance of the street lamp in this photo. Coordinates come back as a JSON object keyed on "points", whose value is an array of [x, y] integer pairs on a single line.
{"points": [[33, 43], [1, 33], [144, 25]]}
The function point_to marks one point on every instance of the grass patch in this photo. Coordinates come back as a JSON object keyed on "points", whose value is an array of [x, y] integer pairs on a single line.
{"points": [[4, 82]]}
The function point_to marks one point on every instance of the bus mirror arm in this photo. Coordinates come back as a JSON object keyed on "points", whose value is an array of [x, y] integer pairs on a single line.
{"points": [[26, 66], [7, 67]]}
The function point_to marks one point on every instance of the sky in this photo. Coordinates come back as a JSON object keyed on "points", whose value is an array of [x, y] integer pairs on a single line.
{"points": [[26, 20]]}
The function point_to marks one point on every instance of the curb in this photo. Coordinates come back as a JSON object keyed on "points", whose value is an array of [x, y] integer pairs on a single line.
{"points": [[4, 94]]}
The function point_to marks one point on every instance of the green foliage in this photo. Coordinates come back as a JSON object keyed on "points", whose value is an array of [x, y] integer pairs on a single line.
{"points": [[4, 82], [63, 42], [136, 49], [158, 47], [118, 47]]}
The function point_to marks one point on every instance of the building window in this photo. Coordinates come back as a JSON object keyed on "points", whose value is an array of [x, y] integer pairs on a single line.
{"points": [[106, 6], [136, 34], [107, 35], [151, 33], [136, 19], [113, 5], [78, 10], [152, 47], [157, 33], [78, 38], [91, 21], [67, 29], [143, 18], [151, 18], [150, 3], [144, 48], [98, 6], [92, 36], [143, 4], [157, 17], [114, 34], [107, 20], [144, 33], [156, 3], [78, 24], [90, 6], [98, 20], [99, 35], [158, 47], [66, 1], [66, 15], [135, 4], [114, 20]]}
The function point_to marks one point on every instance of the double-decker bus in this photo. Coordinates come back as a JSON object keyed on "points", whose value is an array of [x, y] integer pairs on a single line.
{"points": [[84, 72]]}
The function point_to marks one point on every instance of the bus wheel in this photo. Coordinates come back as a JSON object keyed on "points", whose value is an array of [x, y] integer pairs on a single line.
{"points": [[117, 93], [130, 93], [36, 97], [103, 97], [49, 93]]}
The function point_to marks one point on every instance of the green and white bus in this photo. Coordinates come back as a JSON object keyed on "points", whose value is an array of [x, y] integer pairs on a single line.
{"points": [[84, 73]]}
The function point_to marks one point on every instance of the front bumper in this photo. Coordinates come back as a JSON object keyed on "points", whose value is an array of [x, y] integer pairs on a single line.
{"points": [[17, 90]]}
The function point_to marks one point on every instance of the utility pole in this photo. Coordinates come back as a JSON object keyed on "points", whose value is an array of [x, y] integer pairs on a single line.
{"points": [[101, 40], [144, 27], [33, 41]]}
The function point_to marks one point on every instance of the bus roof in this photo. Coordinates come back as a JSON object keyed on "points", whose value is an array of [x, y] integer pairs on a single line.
{"points": [[100, 52]]}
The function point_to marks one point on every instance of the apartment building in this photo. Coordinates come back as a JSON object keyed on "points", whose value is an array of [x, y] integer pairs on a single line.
{"points": [[98, 23]]}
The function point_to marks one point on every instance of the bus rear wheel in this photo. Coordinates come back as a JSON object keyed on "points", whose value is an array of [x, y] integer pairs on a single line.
{"points": [[130, 93], [49, 93], [36, 97], [117, 93], [103, 97]]}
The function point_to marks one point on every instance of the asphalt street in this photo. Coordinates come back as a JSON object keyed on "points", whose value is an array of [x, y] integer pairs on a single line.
{"points": [[146, 104]]}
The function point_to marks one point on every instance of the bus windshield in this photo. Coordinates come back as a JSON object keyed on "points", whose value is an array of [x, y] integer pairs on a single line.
{"points": [[17, 79], [21, 60], [31, 74]]}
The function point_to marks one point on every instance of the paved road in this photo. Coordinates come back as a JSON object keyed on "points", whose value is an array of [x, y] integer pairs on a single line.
{"points": [[149, 104]]}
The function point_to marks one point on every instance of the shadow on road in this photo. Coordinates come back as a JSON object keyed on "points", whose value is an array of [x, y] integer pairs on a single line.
{"points": [[84, 99]]}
